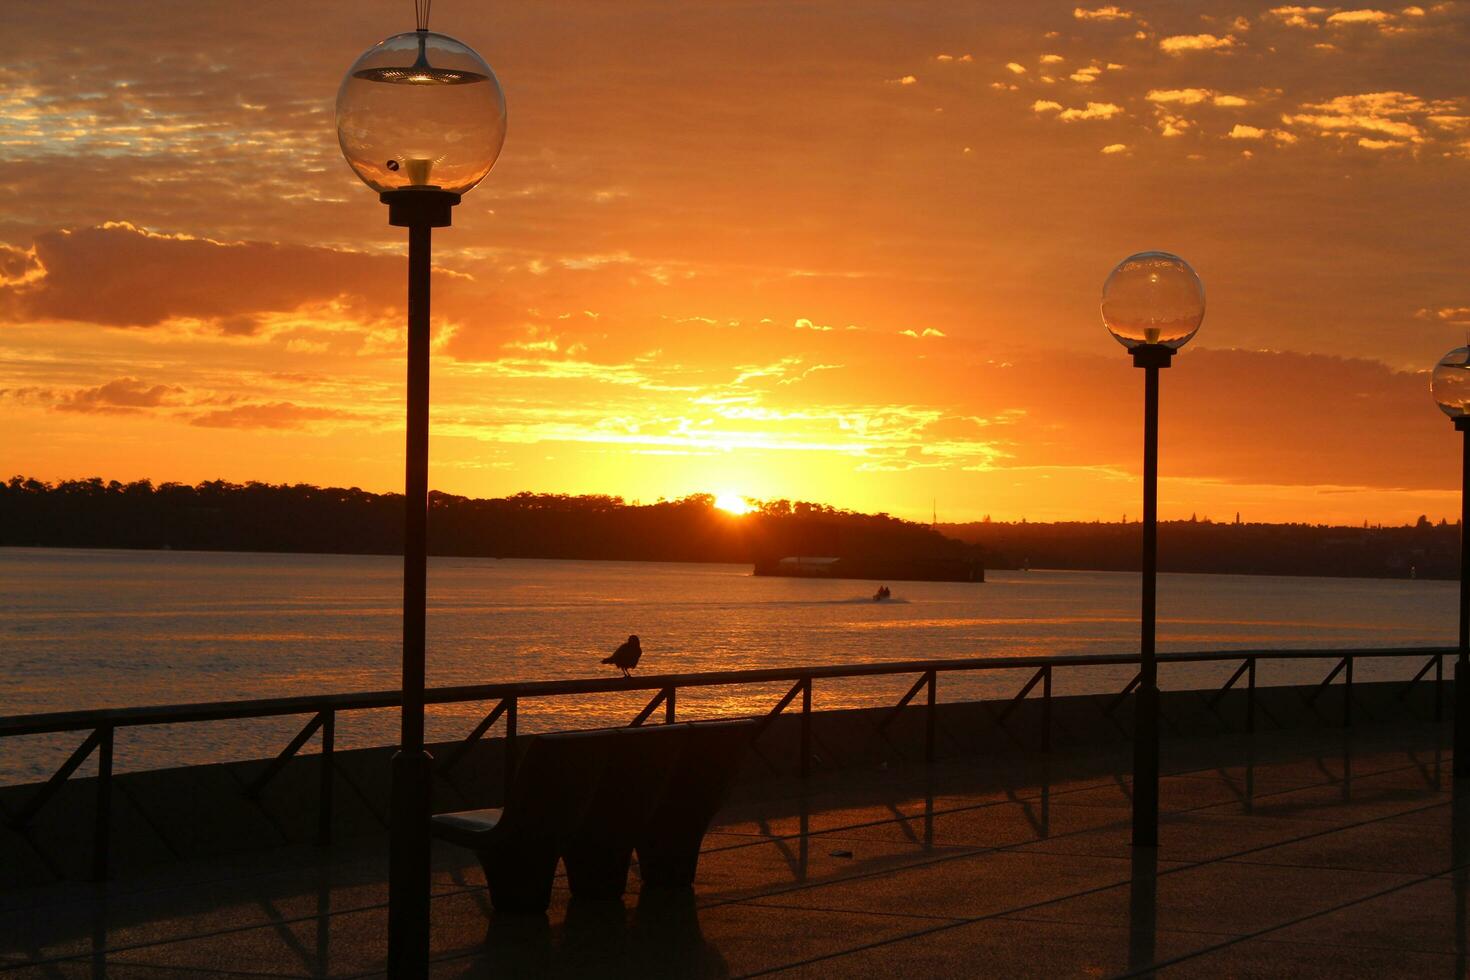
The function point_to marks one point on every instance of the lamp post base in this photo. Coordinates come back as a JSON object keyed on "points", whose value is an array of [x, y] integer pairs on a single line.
{"points": [[408, 865], [1146, 767]]}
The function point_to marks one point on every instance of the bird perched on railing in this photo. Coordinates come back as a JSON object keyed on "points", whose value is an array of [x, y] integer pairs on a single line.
{"points": [[625, 657]]}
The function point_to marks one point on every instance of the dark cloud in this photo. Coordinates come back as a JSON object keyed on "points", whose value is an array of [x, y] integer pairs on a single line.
{"points": [[122, 395], [123, 276], [274, 415], [119, 396]]}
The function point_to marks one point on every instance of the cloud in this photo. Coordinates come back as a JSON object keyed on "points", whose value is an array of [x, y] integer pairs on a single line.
{"points": [[1015, 69], [1183, 96], [119, 396], [1102, 13], [905, 80], [120, 275], [1360, 17], [1303, 17], [1094, 110], [1183, 43], [273, 415], [1379, 116], [123, 394], [19, 267], [1446, 314], [1115, 148]]}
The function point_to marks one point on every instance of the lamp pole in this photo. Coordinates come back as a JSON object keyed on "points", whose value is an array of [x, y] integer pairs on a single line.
{"points": [[421, 119], [1449, 384], [1151, 358], [1153, 304], [420, 210], [1462, 662]]}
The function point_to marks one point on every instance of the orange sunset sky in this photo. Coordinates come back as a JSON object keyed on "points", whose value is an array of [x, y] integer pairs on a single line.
{"points": [[838, 251]]}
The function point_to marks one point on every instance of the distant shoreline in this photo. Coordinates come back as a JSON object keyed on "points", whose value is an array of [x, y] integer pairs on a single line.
{"points": [[710, 561]]}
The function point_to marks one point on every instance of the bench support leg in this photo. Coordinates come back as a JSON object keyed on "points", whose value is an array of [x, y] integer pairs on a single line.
{"points": [[520, 879]]}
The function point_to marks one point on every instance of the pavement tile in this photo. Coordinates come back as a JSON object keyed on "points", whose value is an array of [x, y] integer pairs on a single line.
{"points": [[1227, 898], [1419, 917], [965, 886], [1376, 846], [1310, 961], [1183, 837], [990, 825], [1004, 948]]}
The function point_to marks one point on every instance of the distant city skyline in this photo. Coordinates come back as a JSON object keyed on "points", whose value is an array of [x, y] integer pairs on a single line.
{"points": [[848, 253]]}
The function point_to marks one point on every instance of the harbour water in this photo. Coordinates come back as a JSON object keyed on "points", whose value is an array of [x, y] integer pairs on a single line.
{"points": [[84, 629]]}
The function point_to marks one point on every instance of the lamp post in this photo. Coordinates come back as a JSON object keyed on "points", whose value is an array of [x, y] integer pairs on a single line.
{"points": [[421, 119], [1152, 304], [1450, 386]]}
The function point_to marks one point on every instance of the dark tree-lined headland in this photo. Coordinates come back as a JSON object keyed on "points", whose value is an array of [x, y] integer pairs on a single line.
{"points": [[220, 516], [1419, 550]]}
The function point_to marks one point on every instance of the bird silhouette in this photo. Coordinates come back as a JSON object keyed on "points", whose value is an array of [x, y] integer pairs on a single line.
{"points": [[625, 657]]}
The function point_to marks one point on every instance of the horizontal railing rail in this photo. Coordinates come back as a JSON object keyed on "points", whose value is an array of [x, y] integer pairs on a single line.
{"points": [[170, 714], [102, 723]]}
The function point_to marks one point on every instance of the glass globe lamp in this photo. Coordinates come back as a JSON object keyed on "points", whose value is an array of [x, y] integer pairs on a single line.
{"points": [[420, 109], [1153, 298], [1450, 383]]}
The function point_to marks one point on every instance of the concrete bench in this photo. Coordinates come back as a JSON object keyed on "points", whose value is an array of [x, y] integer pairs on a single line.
{"points": [[519, 844], [668, 846], [591, 798]]}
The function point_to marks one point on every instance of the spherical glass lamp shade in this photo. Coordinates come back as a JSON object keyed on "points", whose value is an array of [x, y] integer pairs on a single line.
{"points": [[1450, 383], [420, 110], [1153, 298]]}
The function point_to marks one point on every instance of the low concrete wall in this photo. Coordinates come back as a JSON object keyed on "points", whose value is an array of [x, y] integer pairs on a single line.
{"points": [[170, 815]]}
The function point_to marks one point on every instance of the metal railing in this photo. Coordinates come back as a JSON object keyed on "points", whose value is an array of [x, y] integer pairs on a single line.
{"points": [[102, 723]]}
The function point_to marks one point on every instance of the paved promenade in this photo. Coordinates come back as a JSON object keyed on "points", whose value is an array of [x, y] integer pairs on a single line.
{"points": [[1304, 854]]}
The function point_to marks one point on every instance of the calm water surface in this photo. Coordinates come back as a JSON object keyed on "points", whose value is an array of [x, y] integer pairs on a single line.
{"points": [[85, 629]]}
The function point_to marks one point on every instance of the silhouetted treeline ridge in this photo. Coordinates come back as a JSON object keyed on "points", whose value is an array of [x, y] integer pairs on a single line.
{"points": [[1421, 550], [220, 516]]}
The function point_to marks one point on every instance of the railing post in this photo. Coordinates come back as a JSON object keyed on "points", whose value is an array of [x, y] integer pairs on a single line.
{"points": [[929, 717], [102, 828], [1250, 697], [1438, 688], [669, 708], [326, 778], [1046, 709], [1347, 696], [510, 746], [806, 727]]}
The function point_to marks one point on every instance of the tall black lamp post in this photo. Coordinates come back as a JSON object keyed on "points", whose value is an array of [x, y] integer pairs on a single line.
{"points": [[1450, 385], [421, 119], [1152, 304]]}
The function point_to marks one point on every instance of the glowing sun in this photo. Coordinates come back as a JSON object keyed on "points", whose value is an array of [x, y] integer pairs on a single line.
{"points": [[733, 503]]}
